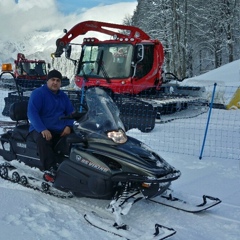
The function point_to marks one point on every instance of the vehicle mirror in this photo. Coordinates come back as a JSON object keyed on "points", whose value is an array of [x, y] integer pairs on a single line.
{"points": [[99, 61], [68, 51], [139, 53], [138, 57]]}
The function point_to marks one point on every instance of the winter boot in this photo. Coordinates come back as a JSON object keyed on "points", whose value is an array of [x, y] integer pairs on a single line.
{"points": [[49, 175]]}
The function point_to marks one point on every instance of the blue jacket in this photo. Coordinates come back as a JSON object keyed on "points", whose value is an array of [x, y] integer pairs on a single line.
{"points": [[45, 108]]}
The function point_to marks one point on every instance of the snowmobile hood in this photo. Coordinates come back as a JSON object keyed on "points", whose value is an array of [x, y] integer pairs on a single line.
{"points": [[133, 157], [102, 117]]}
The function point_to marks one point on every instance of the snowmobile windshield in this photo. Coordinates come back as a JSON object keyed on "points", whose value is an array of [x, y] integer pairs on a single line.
{"points": [[102, 117], [106, 61]]}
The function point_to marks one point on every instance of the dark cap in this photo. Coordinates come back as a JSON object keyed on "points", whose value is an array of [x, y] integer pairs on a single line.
{"points": [[54, 74]]}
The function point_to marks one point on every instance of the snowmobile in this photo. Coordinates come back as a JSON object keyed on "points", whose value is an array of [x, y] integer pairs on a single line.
{"points": [[98, 160]]}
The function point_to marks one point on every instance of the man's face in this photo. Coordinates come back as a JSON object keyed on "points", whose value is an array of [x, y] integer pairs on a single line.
{"points": [[54, 84]]}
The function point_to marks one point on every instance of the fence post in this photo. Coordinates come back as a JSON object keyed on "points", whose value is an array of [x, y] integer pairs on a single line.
{"points": [[208, 120]]}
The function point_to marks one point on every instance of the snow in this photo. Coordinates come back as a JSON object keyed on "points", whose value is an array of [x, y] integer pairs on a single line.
{"points": [[227, 75], [227, 78], [28, 214]]}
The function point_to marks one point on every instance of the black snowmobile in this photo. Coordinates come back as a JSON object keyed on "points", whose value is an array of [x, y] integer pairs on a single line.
{"points": [[99, 159]]}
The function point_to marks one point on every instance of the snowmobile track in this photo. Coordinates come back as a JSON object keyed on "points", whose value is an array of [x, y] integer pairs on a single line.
{"points": [[24, 180]]}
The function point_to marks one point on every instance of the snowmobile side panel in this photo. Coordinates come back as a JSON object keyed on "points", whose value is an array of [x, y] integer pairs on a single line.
{"points": [[83, 181]]}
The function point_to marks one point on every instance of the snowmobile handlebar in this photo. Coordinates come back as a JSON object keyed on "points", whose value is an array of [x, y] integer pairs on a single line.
{"points": [[74, 115]]}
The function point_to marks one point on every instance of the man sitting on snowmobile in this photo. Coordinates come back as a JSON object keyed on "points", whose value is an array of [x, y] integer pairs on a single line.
{"points": [[46, 105]]}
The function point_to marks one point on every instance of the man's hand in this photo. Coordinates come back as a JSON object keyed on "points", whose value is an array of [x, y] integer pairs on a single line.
{"points": [[46, 134], [66, 131]]}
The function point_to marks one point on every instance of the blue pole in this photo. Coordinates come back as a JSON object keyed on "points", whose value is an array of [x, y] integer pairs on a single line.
{"points": [[208, 120]]}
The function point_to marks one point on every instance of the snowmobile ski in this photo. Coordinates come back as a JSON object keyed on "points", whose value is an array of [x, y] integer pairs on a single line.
{"points": [[126, 232], [180, 204]]}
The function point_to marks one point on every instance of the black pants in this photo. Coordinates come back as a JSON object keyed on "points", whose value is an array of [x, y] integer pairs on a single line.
{"points": [[45, 148]]}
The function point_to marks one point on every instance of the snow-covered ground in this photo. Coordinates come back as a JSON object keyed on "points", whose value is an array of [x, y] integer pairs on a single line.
{"points": [[28, 214]]}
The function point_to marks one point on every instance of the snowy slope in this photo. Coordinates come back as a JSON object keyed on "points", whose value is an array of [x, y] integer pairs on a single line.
{"points": [[226, 78], [227, 75]]}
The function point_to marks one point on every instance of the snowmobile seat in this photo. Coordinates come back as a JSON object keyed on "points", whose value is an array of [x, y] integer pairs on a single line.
{"points": [[18, 113]]}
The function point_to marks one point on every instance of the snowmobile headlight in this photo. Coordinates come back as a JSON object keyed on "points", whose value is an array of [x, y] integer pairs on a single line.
{"points": [[146, 185], [117, 136]]}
